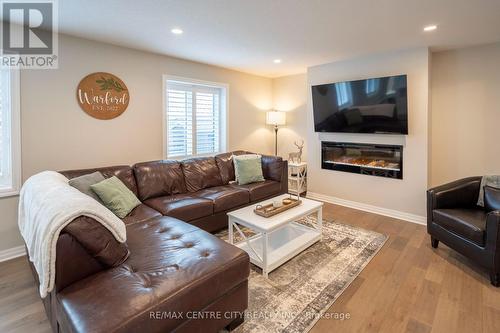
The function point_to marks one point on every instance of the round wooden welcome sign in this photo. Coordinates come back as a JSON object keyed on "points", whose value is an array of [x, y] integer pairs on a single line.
{"points": [[102, 95]]}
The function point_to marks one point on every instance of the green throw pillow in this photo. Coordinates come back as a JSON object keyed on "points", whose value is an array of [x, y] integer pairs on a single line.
{"points": [[116, 196], [248, 169]]}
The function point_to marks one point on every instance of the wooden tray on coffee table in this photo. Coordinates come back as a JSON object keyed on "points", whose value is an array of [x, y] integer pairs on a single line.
{"points": [[268, 210]]}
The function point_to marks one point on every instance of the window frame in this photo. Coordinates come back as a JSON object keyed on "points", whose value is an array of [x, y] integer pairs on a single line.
{"points": [[391, 84], [15, 136], [341, 89], [372, 86], [223, 113]]}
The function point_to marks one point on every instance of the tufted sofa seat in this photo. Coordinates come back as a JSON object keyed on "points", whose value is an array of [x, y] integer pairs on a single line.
{"points": [[170, 266], [141, 213], [181, 268]]}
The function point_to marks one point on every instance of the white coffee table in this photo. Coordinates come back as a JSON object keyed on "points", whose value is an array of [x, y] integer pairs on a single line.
{"points": [[278, 238]]}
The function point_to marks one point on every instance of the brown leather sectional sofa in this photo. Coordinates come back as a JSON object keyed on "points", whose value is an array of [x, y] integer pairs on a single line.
{"points": [[170, 275]]}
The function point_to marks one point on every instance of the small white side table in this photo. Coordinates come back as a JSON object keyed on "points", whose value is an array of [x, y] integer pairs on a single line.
{"points": [[297, 178]]}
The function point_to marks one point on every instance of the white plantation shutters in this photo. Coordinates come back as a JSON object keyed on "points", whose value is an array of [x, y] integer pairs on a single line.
{"points": [[372, 86], [179, 122], [9, 132], [193, 119], [207, 121], [344, 93]]}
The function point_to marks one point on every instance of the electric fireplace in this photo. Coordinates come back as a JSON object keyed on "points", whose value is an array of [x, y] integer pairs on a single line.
{"points": [[367, 159]]}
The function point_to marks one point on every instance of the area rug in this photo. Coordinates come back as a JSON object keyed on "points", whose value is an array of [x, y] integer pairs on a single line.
{"points": [[298, 293]]}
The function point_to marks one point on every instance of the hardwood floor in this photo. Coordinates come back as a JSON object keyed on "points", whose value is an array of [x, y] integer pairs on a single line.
{"points": [[21, 309], [410, 287], [407, 287]]}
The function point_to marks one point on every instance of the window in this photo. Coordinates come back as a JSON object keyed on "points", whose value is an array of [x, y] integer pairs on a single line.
{"points": [[344, 93], [195, 118], [372, 86], [10, 150]]}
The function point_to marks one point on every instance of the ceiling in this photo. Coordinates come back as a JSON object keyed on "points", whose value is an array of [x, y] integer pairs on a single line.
{"points": [[248, 35]]}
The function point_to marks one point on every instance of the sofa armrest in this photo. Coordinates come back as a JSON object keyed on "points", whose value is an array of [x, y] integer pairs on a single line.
{"points": [[493, 237], [98, 241], [493, 226], [272, 167], [460, 193], [275, 168], [86, 247], [73, 262]]}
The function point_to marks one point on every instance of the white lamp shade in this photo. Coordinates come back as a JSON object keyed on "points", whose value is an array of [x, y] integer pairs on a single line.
{"points": [[277, 118]]}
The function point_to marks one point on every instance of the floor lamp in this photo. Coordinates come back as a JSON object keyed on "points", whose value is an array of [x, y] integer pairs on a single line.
{"points": [[276, 118]]}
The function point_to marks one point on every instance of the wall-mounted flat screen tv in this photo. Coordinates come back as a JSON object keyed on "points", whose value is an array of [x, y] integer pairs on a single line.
{"points": [[378, 105]]}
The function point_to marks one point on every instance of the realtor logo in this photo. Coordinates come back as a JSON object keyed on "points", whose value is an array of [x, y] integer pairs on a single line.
{"points": [[29, 34]]}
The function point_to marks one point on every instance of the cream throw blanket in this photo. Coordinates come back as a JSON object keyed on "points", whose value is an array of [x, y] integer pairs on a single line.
{"points": [[46, 205]]}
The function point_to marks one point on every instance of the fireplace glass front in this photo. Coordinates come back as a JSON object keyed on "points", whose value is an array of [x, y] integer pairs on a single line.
{"points": [[366, 159]]}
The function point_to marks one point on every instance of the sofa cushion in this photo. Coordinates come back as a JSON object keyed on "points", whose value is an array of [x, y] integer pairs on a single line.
{"points": [[200, 173], [182, 206], [225, 164], [123, 172], [225, 197], [140, 213], [82, 183], [467, 223], [248, 169], [261, 190], [116, 196], [173, 267], [159, 178]]}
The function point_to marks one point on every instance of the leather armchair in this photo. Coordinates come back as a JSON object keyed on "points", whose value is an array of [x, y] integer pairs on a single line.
{"points": [[454, 218]]}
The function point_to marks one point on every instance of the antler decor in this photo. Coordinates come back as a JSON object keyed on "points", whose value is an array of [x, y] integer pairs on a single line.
{"points": [[296, 157]]}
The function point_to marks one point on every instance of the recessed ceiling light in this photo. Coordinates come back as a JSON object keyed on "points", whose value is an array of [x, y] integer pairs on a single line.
{"points": [[430, 27], [176, 31], [277, 61]]}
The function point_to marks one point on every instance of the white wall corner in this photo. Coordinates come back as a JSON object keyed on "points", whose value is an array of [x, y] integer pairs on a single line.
{"points": [[415, 64]]}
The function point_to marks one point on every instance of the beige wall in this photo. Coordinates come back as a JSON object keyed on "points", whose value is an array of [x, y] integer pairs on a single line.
{"points": [[406, 195], [460, 137], [57, 134], [290, 95], [9, 233], [463, 91], [465, 113]]}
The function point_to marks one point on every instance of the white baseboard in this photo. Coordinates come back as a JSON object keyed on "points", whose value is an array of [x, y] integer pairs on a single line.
{"points": [[12, 253], [369, 208], [20, 250]]}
